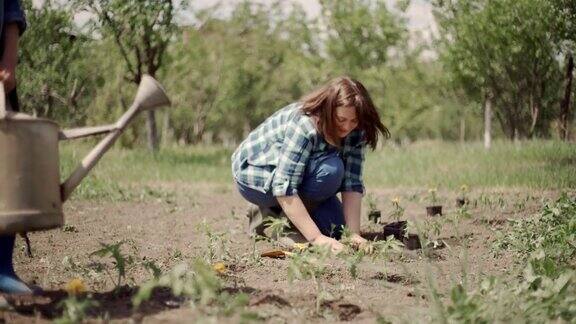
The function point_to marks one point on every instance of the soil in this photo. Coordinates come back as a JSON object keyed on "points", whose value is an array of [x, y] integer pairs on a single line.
{"points": [[168, 228]]}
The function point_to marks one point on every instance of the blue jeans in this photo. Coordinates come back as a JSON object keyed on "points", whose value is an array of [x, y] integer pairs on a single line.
{"points": [[322, 179], [9, 281]]}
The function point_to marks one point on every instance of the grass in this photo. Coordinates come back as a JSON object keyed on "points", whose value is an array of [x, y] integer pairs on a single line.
{"points": [[530, 164]]}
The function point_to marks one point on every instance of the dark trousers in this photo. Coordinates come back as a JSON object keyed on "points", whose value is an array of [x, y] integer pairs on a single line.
{"points": [[7, 241], [322, 179]]}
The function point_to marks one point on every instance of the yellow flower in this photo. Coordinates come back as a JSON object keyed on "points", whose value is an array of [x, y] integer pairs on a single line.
{"points": [[396, 200], [300, 246], [464, 188], [219, 267], [75, 287], [432, 190]]}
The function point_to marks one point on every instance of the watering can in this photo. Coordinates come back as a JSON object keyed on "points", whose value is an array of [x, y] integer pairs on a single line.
{"points": [[31, 194]]}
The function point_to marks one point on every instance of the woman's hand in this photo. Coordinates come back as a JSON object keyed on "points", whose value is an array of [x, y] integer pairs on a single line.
{"points": [[361, 243], [7, 76], [335, 246]]}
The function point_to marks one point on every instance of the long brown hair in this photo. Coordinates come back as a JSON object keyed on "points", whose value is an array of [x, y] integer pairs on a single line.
{"points": [[347, 92]]}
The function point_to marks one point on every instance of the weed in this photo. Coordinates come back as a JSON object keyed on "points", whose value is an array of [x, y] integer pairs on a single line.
{"points": [[199, 283], [74, 309], [433, 196], [384, 248], [311, 264], [372, 202], [398, 211], [277, 226], [543, 287], [553, 231], [217, 249], [121, 260]]}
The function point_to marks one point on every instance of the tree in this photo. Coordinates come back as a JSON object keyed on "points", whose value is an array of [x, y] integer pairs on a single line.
{"points": [[501, 50], [360, 33], [141, 30], [565, 36], [51, 79], [230, 73]]}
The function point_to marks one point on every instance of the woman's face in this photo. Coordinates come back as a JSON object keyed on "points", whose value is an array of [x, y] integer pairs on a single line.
{"points": [[345, 120]]}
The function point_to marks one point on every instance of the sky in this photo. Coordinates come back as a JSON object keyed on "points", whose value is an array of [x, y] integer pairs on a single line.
{"points": [[419, 13], [421, 22]]}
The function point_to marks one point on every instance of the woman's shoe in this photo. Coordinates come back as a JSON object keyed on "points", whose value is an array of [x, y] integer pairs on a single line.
{"points": [[257, 215], [11, 284]]}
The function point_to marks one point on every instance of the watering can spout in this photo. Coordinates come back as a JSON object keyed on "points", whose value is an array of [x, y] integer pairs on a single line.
{"points": [[150, 95]]}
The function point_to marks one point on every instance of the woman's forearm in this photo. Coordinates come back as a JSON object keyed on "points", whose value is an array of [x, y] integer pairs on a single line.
{"points": [[352, 206], [299, 216]]}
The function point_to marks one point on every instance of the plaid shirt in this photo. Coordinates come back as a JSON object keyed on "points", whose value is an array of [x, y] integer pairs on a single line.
{"points": [[275, 155]]}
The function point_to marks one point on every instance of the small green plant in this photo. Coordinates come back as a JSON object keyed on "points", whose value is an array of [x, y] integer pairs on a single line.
{"points": [[372, 202], [311, 264], [398, 211], [464, 190], [199, 283], [457, 217], [277, 226], [74, 309], [121, 261], [433, 196], [217, 244], [384, 248], [374, 213]]}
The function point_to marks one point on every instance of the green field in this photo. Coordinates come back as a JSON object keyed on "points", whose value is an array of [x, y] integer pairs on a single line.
{"points": [[530, 164]]}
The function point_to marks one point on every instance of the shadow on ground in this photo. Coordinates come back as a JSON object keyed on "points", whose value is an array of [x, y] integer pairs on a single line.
{"points": [[115, 304]]}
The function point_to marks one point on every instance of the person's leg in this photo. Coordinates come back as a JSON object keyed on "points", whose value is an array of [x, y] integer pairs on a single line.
{"points": [[322, 179], [329, 217], [266, 206], [9, 281], [321, 182]]}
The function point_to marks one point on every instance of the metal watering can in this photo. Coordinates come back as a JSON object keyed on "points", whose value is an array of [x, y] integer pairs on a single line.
{"points": [[31, 194]]}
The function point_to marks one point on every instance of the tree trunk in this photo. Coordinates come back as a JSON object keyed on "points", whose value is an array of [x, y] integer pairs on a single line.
{"points": [[565, 113], [462, 129], [199, 128], [167, 132], [487, 121], [152, 131], [534, 113]]}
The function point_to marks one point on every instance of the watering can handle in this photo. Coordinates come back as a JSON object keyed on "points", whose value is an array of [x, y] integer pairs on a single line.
{"points": [[2, 101]]}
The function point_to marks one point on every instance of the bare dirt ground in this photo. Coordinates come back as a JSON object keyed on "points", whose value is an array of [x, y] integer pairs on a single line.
{"points": [[165, 227]]}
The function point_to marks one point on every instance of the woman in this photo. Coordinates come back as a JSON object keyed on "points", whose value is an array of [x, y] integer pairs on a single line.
{"points": [[298, 159]]}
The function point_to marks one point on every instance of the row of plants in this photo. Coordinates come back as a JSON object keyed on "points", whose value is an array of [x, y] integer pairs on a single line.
{"points": [[541, 288], [404, 230]]}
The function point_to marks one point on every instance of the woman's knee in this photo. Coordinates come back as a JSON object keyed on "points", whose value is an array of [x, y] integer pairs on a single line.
{"points": [[324, 180], [331, 171]]}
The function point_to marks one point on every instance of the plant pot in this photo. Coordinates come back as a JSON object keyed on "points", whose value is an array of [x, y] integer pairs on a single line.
{"points": [[461, 202], [396, 229], [374, 216], [412, 242], [434, 210]]}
